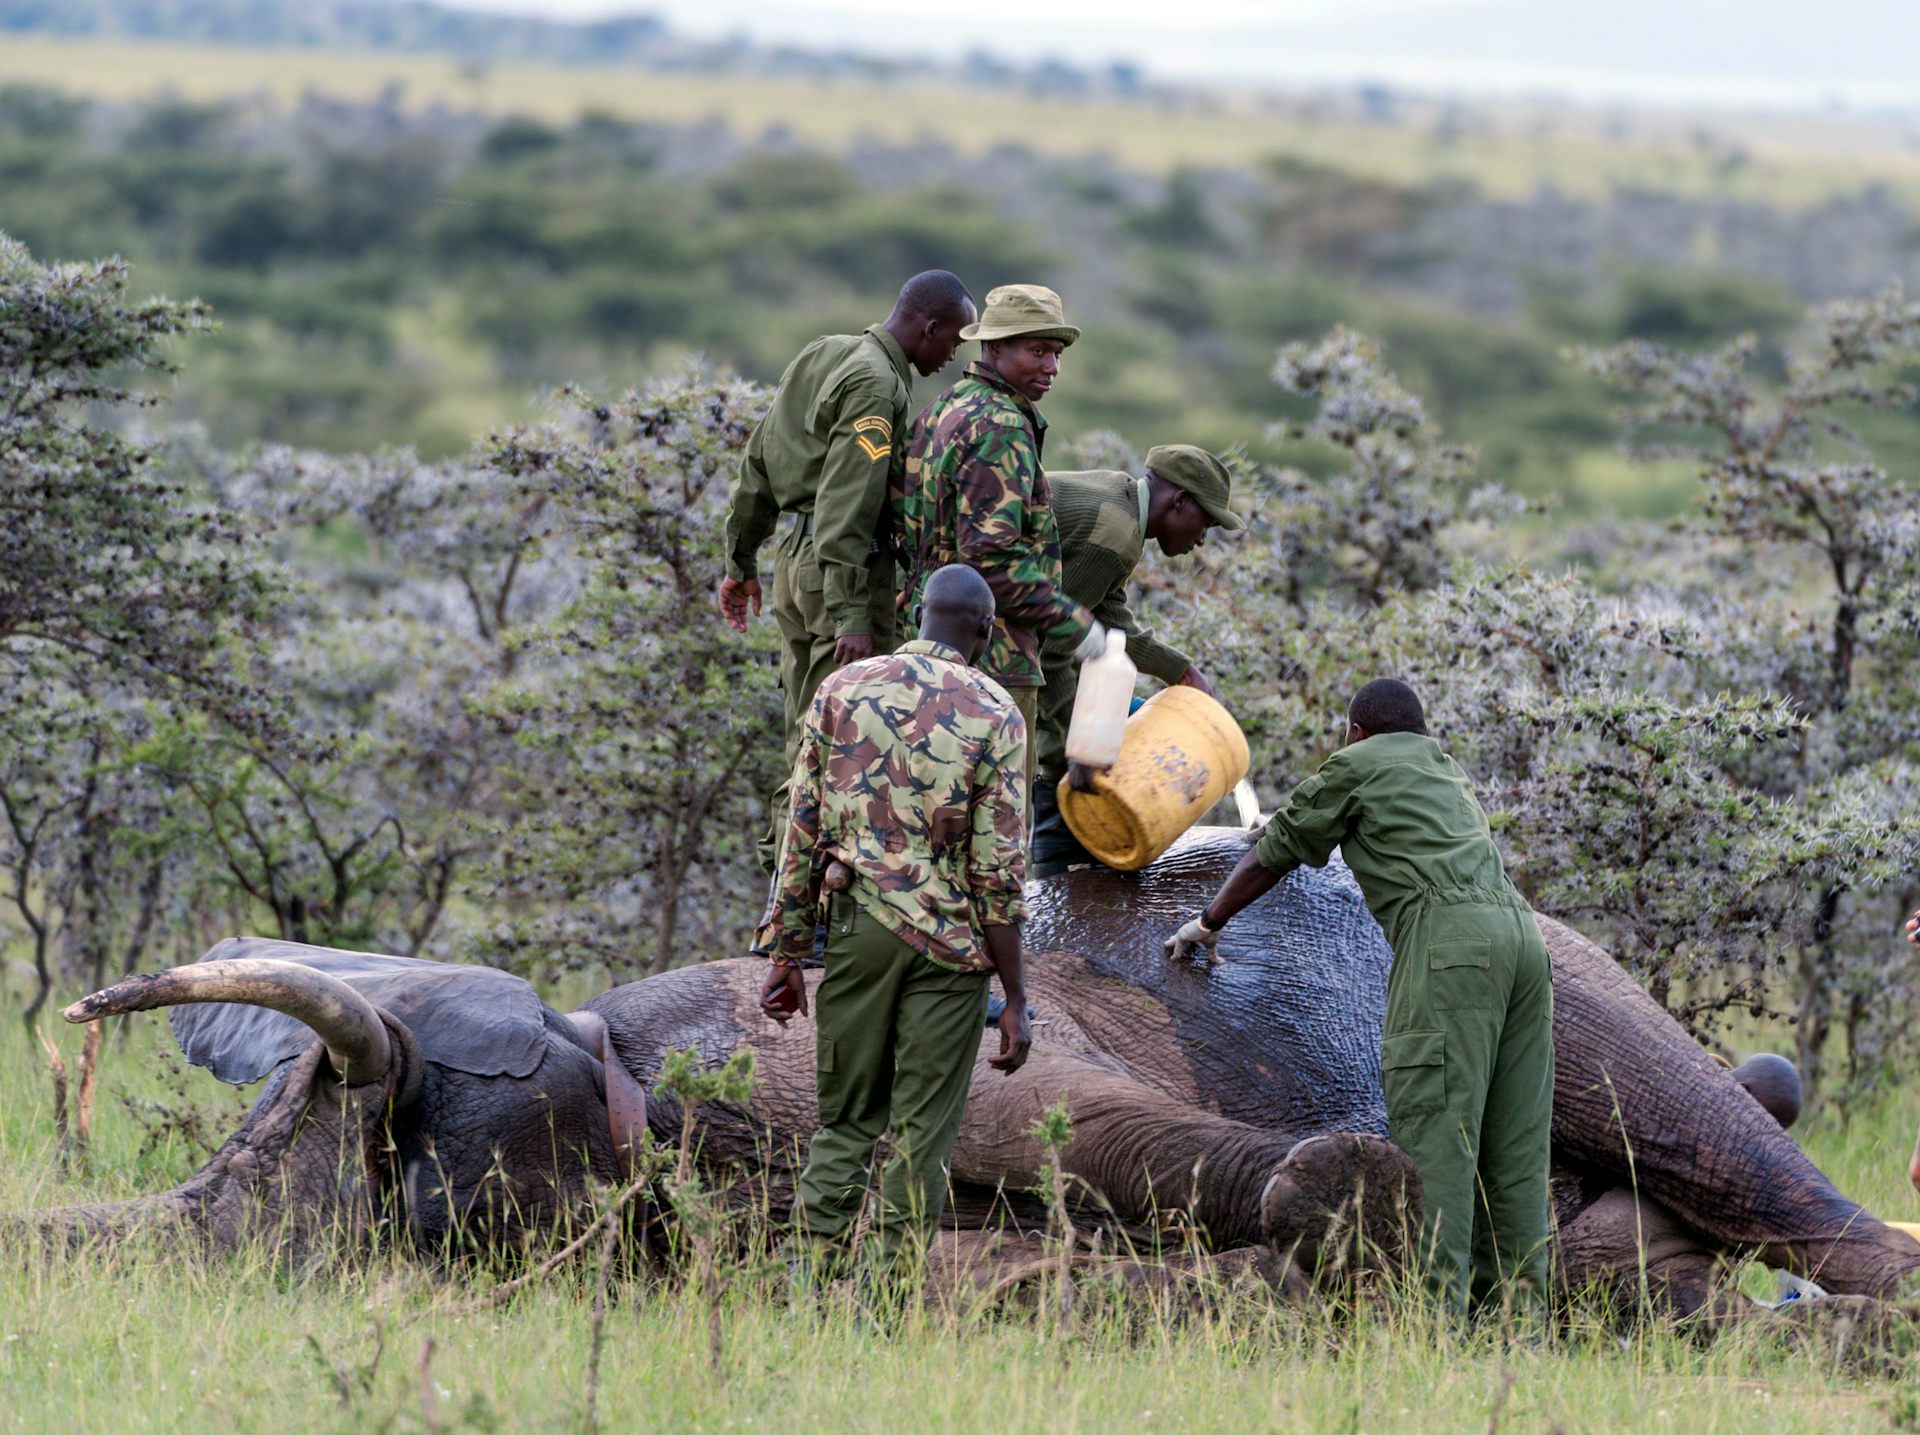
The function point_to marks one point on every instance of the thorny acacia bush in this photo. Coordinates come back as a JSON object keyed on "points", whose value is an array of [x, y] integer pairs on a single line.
{"points": [[514, 729], [653, 727], [122, 592]]}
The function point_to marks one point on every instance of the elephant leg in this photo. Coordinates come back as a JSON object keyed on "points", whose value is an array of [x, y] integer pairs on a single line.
{"points": [[1146, 1155], [980, 1269], [1641, 1257], [1609, 1245]]}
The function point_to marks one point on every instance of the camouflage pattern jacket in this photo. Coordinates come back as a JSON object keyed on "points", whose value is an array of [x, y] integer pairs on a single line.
{"points": [[973, 492], [911, 773]]}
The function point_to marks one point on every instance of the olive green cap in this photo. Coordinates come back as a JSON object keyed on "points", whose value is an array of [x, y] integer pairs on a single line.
{"points": [[1200, 474], [1022, 311]]}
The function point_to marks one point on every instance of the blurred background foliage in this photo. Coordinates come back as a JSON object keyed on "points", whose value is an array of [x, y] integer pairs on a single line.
{"points": [[389, 276]]}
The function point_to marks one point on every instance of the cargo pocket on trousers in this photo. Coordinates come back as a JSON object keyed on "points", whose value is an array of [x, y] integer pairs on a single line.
{"points": [[1459, 974], [830, 1100], [1413, 1073]]}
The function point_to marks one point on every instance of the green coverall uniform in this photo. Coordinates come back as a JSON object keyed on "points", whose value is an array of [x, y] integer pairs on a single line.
{"points": [[910, 774], [824, 453], [1467, 1050]]}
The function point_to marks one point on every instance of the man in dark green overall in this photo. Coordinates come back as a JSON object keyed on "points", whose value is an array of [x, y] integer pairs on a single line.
{"points": [[1105, 520], [1467, 1052], [825, 453], [908, 810]]}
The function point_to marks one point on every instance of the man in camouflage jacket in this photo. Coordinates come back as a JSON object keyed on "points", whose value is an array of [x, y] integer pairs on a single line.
{"points": [[973, 492], [825, 453], [908, 816]]}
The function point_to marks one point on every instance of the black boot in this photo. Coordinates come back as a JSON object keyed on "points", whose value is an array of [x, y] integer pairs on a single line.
{"points": [[1054, 848]]}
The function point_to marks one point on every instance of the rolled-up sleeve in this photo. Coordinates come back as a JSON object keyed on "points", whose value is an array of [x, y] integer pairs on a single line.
{"points": [[997, 852], [1313, 821]]}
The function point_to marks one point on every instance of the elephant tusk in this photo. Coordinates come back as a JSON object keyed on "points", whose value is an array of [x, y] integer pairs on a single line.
{"points": [[350, 1025]]}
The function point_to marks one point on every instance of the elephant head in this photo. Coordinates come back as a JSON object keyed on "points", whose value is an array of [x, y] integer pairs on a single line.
{"points": [[443, 1104]]}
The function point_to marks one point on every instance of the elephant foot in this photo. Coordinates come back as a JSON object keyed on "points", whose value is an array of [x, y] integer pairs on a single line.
{"points": [[1342, 1203]]}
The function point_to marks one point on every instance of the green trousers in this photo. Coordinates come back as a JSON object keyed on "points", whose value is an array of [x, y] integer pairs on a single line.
{"points": [[1467, 1067], [1053, 714], [806, 652], [897, 1037]]}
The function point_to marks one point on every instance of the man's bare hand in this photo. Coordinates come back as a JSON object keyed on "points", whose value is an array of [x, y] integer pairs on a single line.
{"points": [[1194, 678], [1913, 929], [735, 598], [852, 648], [784, 993], [1080, 776], [1016, 1038]]}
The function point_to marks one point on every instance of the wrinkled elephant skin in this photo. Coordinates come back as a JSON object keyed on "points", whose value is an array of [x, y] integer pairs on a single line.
{"points": [[1247, 1095]]}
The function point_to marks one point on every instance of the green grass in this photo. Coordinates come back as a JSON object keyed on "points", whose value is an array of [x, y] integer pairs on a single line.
{"points": [[1794, 163], [132, 1339]]}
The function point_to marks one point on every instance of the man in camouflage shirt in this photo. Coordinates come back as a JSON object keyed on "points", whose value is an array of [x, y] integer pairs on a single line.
{"points": [[973, 492], [1105, 519], [908, 815], [825, 453]]}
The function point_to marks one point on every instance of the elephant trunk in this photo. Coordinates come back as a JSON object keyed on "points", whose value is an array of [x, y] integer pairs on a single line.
{"points": [[103, 1223]]}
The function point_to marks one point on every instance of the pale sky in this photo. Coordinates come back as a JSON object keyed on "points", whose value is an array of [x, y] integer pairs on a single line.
{"points": [[1794, 52]]}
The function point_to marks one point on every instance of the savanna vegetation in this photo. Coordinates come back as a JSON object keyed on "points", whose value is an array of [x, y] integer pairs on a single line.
{"points": [[373, 650], [386, 275]]}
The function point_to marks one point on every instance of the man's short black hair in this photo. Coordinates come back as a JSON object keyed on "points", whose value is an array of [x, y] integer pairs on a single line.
{"points": [[1387, 705], [935, 294]]}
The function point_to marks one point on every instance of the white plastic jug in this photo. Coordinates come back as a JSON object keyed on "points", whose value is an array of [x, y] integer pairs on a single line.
{"points": [[1100, 707]]}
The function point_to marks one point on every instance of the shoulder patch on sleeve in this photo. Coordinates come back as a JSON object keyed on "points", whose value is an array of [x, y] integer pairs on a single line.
{"points": [[1310, 789], [1117, 529], [874, 434]]}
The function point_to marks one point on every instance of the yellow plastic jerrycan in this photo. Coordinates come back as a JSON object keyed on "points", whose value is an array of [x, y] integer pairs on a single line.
{"points": [[1181, 753]]}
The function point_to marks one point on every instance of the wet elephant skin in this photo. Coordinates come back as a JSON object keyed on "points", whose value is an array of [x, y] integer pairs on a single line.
{"points": [[1285, 1035]]}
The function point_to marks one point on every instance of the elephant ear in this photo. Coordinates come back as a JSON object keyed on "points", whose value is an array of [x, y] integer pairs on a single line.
{"points": [[472, 1019]]}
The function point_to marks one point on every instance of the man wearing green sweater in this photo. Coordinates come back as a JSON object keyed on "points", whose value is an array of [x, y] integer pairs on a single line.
{"points": [[1105, 519]]}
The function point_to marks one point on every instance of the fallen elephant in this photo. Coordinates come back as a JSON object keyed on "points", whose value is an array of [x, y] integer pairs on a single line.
{"points": [[1246, 1097]]}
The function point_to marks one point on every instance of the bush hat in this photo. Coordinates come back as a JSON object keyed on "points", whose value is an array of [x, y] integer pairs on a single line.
{"points": [[1200, 474], [1022, 311]]}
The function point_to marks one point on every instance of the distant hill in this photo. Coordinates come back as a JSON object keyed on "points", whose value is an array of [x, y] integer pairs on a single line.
{"points": [[423, 28], [404, 25]]}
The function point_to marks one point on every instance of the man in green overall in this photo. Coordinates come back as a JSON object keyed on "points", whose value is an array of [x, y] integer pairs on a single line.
{"points": [[1467, 1051], [1105, 520], [825, 453], [908, 815]]}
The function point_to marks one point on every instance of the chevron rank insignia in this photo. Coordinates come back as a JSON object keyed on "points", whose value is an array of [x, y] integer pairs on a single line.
{"points": [[874, 435]]}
